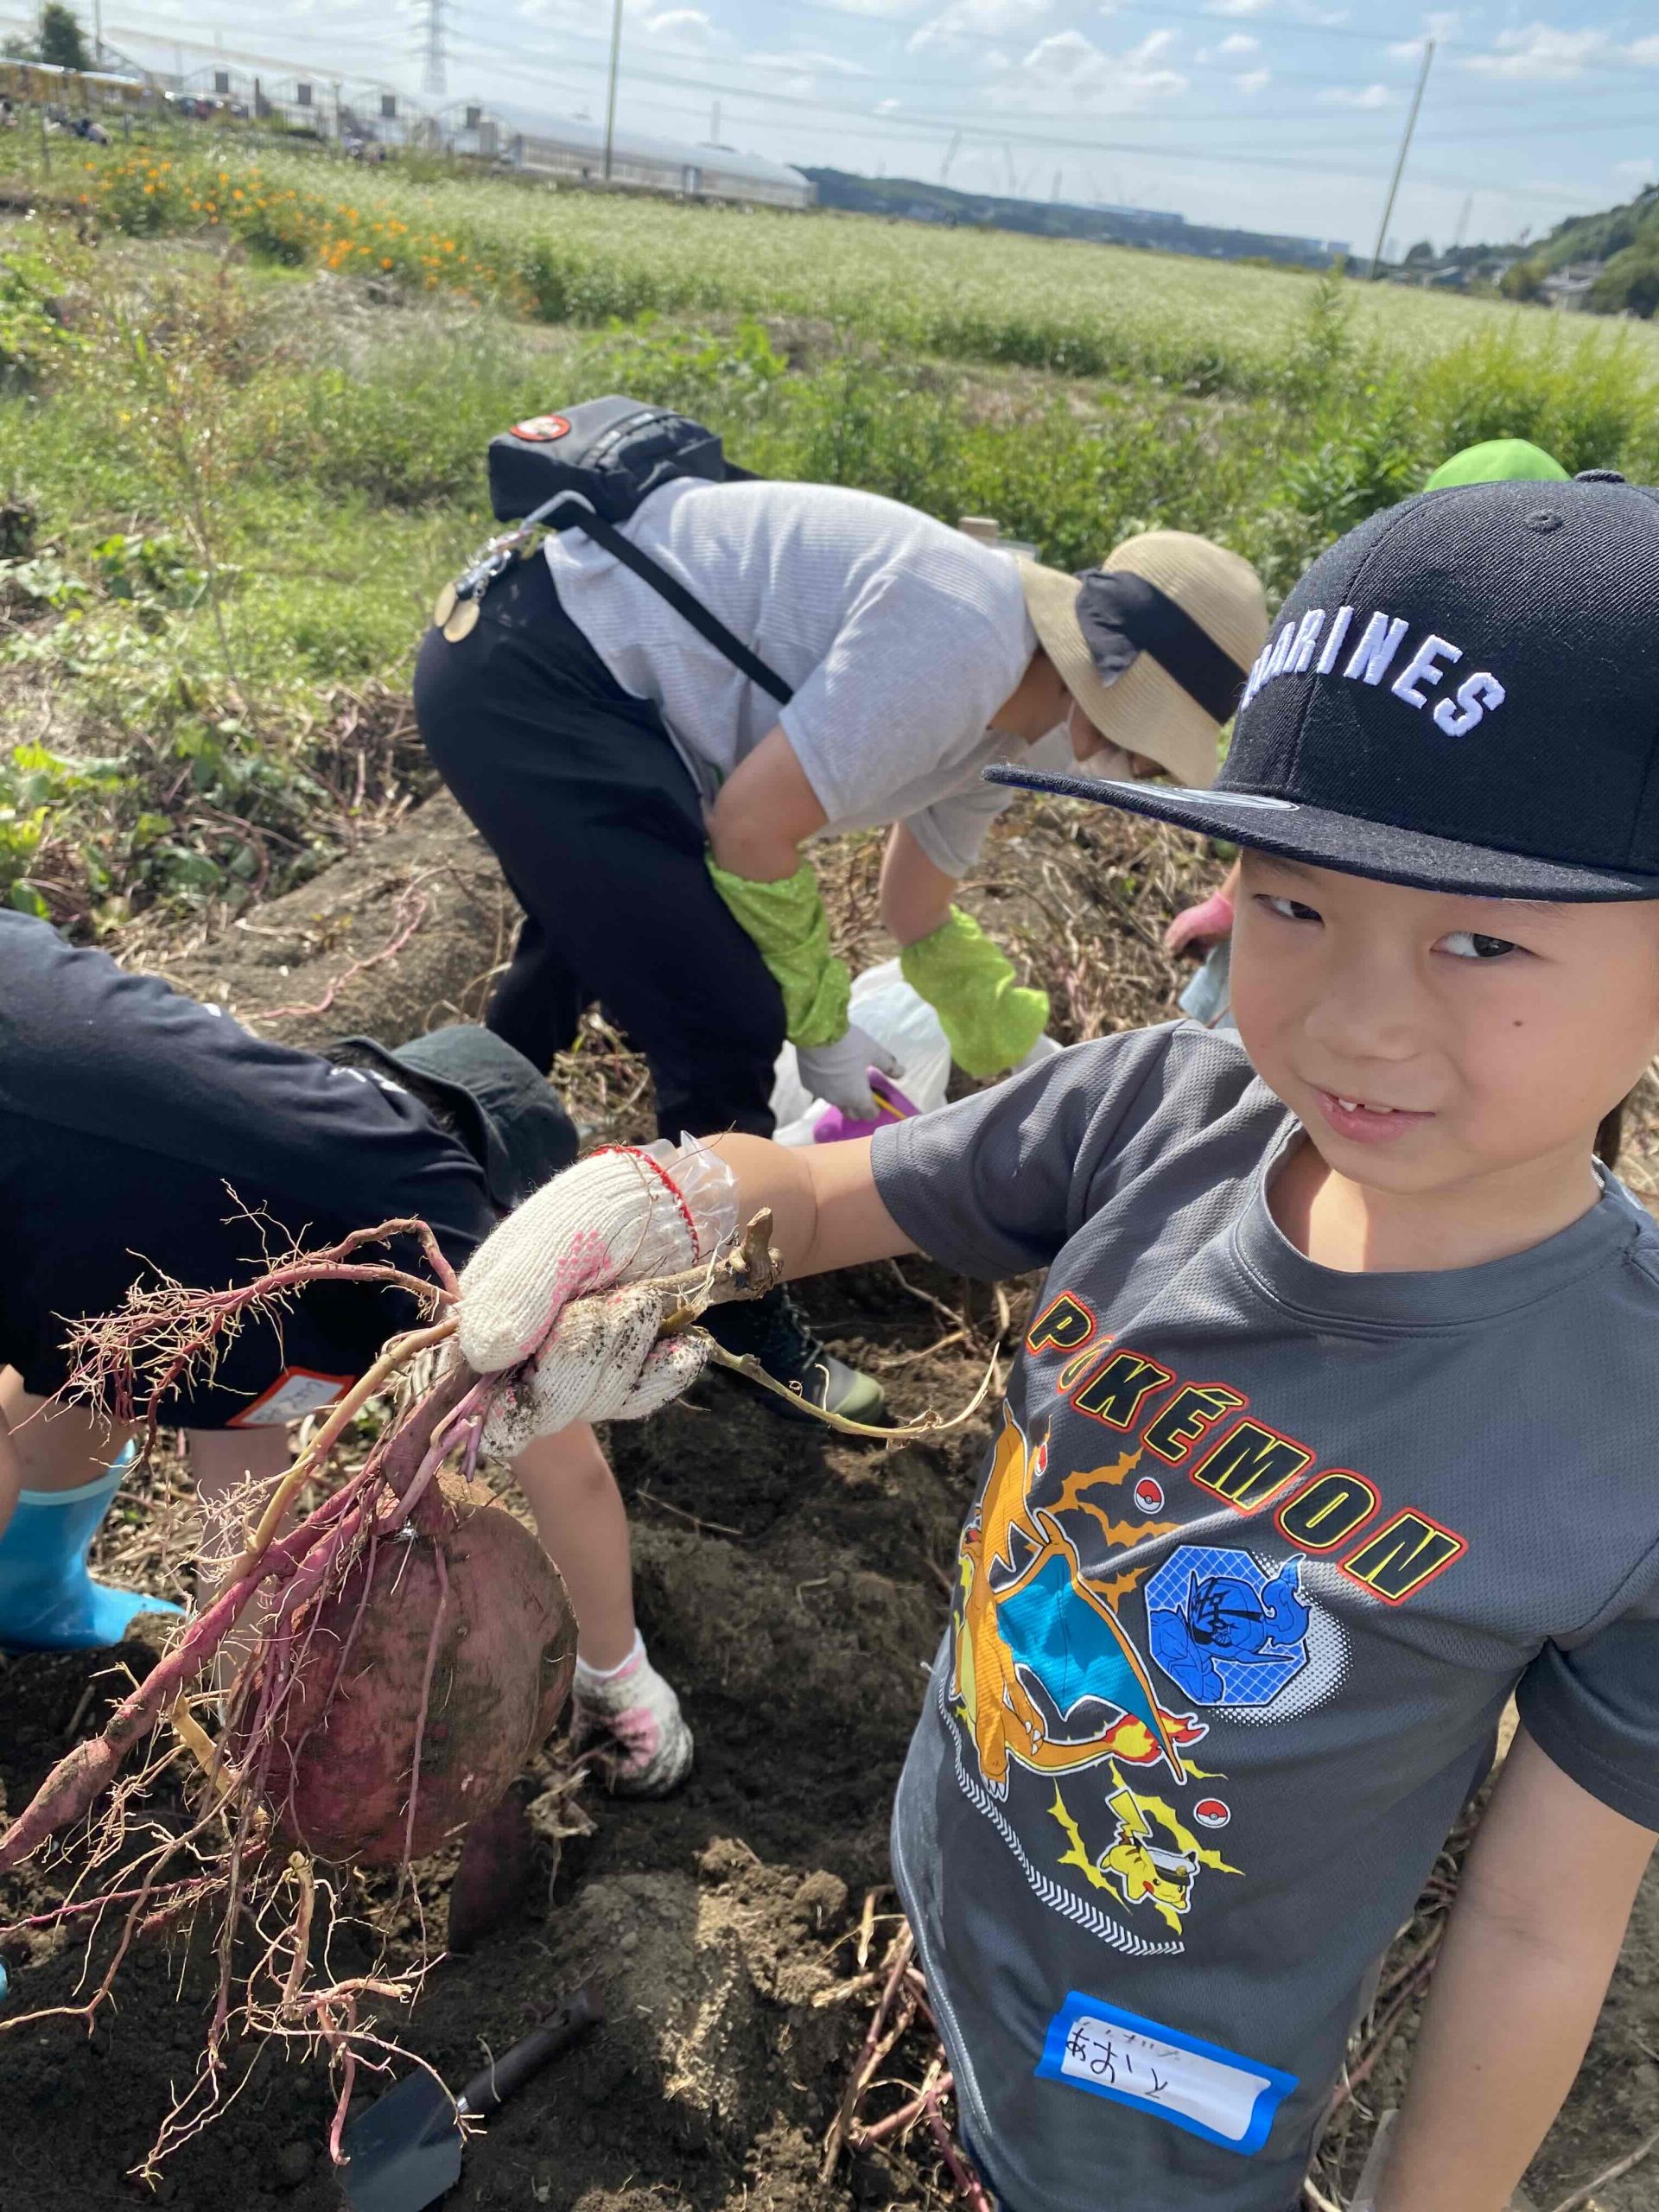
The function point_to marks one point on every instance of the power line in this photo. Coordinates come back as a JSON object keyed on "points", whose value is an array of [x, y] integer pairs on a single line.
{"points": [[809, 64], [934, 124], [931, 130], [1219, 24]]}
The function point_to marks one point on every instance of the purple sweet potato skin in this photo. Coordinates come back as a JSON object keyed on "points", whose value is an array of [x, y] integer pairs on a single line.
{"points": [[340, 1780]]}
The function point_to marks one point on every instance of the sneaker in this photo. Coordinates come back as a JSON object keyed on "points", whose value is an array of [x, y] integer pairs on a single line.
{"points": [[632, 1720], [773, 1329]]}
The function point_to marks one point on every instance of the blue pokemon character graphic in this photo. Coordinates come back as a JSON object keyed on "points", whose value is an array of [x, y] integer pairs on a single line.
{"points": [[1227, 1631]]}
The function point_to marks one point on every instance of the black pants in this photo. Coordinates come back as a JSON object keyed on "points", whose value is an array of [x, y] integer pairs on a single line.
{"points": [[598, 828]]}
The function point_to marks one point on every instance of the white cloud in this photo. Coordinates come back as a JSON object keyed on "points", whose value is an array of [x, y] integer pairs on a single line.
{"points": [[1067, 65], [684, 25], [1255, 81], [1239, 42], [1636, 174], [1543, 54], [899, 10], [966, 20], [1236, 7], [1369, 96], [889, 107]]}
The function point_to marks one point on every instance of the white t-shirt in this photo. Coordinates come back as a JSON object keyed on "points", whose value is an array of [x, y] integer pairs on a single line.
{"points": [[899, 636]]}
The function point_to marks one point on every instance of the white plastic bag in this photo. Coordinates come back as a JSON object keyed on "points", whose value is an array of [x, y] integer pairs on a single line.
{"points": [[900, 1021]]}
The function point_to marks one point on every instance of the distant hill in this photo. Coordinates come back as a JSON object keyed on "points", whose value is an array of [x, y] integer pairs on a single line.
{"points": [[1624, 239], [910, 200]]}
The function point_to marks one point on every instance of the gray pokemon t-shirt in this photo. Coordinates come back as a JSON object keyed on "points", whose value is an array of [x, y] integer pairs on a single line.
{"points": [[1261, 1552]]}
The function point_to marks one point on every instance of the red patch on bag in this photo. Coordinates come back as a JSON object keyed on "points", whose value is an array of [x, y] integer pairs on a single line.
{"points": [[542, 429], [296, 1391], [1210, 1813], [1149, 1494]]}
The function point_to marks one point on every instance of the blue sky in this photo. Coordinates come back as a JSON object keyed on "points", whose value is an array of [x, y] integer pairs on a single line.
{"points": [[1276, 114]]}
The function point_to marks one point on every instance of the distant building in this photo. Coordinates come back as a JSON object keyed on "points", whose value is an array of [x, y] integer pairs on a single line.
{"points": [[1571, 286], [574, 149]]}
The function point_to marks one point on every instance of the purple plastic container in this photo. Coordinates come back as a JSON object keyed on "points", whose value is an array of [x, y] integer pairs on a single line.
{"points": [[833, 1126]]}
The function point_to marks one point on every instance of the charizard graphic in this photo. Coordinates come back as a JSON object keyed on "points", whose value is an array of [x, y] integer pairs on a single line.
{"points": [[1045, 1672]]}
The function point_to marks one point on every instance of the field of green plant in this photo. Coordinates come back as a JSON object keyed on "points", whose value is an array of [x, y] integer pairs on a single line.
{"points": [[1074, 308], [244, 407]]}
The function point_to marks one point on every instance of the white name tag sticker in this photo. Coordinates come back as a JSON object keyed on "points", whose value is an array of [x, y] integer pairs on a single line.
{"points": [[1196, 2086], [296, 1391]]}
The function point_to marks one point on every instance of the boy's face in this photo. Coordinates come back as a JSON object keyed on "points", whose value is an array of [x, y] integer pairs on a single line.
{"points": [[1498, 1031]]}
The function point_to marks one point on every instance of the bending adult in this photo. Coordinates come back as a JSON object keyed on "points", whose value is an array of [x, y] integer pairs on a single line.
{"points": [[649, 803]]}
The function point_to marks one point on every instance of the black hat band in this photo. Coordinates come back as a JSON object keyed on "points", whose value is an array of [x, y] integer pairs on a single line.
{"points": [[1122, 615]]}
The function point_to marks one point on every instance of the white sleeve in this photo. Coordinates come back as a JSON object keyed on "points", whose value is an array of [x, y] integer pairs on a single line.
{"points": [[951, 832], [913, 677]]}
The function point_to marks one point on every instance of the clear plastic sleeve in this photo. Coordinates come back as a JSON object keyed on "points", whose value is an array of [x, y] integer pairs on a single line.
{"points": [[708, 1187]]}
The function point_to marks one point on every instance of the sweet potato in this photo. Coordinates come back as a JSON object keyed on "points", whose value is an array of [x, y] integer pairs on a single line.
{"points": [[426, 1676]]}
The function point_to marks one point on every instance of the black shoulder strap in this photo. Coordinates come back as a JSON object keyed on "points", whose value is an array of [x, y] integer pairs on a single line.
{"points": [[568, 512]]}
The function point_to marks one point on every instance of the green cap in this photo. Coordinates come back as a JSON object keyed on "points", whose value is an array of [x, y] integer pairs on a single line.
{"points": [[1499, 460]]}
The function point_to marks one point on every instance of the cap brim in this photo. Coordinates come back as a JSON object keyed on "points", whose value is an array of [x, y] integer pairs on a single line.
{"points": [[1345, 842]]}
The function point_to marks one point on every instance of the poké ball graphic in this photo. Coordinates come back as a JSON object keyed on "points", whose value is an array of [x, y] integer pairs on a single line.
{"points": [[1149, 1494], [1211, 1813]]}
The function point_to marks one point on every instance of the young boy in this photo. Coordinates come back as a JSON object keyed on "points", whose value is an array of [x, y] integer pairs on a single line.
{"points": [[1333, 1423]]}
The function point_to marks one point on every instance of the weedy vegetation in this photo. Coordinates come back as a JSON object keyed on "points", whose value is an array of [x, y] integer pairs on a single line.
{"points": [[244, 403]]}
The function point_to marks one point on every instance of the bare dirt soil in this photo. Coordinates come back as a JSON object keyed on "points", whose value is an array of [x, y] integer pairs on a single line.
{"points": [[793, 1585]]}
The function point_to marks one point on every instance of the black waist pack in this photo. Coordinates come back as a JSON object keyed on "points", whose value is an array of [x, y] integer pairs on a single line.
{"points": [[590, 468]]}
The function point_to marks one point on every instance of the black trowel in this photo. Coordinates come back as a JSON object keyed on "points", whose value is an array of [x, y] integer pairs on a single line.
{"points": [[405, 2151]]}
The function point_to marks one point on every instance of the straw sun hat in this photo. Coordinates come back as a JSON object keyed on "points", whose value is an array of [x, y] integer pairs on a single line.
{"points": [[1155, 646]]}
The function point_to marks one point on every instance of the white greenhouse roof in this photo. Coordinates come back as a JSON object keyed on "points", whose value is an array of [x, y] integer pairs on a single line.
{"points": [[574, 135]]}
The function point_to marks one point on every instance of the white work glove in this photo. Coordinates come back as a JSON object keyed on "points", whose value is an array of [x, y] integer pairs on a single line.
{"points": [[601, 1360], [618, 1218], [840, 1073]]}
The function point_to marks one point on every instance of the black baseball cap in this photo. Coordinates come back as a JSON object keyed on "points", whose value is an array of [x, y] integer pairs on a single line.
{"points": [[1461, 694], [506, 1112]]}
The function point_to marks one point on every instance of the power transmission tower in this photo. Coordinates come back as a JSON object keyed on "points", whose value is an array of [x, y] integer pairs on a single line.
{"points": [[433, 78]]}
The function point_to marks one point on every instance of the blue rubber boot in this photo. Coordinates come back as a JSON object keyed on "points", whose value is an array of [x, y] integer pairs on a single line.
{"points": [[47, 1600]]}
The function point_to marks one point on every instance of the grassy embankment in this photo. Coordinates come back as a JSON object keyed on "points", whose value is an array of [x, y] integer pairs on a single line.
{"points": [[244, 407]]}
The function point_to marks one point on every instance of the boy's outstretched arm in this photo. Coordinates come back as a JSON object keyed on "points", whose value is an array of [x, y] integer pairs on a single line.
{"points": [[1534, 1938], [826, 1211], [601, 1234]]}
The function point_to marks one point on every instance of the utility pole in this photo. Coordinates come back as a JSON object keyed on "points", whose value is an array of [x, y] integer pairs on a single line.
{"points": [[1400, 166], [610, 96], [432, 80], [98, 34], [949, 155]]}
